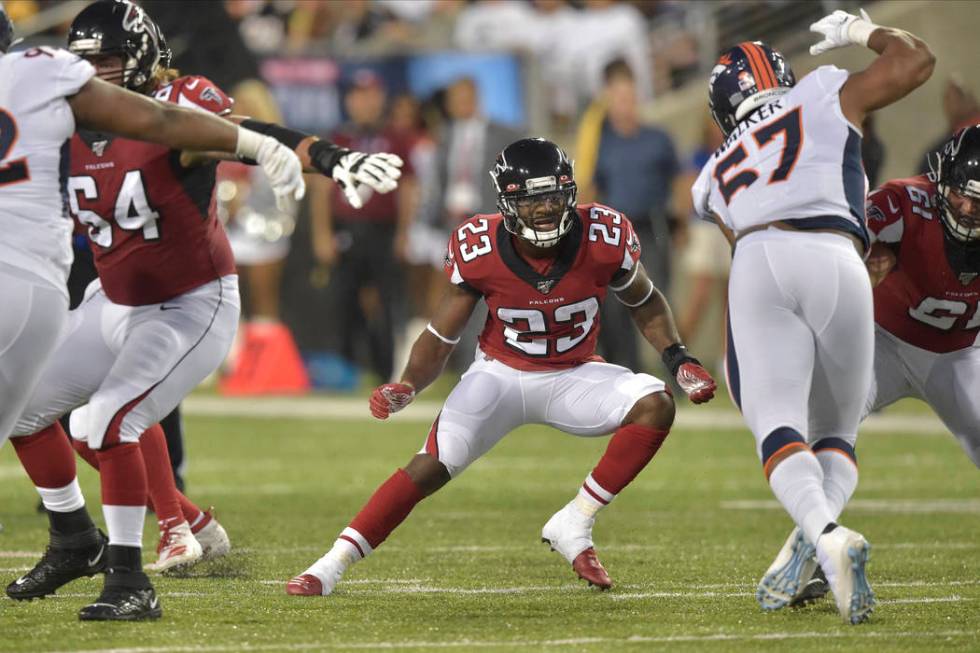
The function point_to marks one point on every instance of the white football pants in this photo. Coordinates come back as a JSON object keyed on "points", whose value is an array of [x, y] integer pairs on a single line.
{"points": [[801, 334], [132, 365], [950, 383], [493, 399], [32, 318]]}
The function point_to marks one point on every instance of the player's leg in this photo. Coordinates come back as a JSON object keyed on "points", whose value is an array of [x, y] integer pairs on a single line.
{"points": [[591, 400], [162, 356], [34, 316], [74, 370], [484, 406], [770, 363], [173, 428], [951, 389]]}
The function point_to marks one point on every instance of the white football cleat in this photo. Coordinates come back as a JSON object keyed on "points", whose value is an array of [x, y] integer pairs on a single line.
{"points": [[320, 579], [843, 555], [177, 548], [213, 538], [569, 532], [788, 575]]}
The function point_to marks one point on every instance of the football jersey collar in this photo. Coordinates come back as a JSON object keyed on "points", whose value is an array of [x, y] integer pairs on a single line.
{"points": [[568, 248]]}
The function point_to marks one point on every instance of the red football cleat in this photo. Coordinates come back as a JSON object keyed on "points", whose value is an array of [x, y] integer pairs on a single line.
{"points": [[307, 585], [589, 569]]}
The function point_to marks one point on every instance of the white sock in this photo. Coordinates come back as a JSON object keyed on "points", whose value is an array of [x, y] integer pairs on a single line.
{"points": [[591, 498], [62, 499], [125, 524], [840, 479], [797, 482], [347, 549]]}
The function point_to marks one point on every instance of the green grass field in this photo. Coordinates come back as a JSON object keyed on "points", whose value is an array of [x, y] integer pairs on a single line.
{"points": [[685, 544]]}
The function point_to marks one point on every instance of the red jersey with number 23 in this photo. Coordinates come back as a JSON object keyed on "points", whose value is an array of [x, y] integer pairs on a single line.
{"points": [[153, 223], [540, 321], [922, 301]]}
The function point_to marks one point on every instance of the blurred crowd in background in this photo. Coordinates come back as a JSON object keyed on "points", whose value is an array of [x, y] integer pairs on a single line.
{"points": [[446, 84]]}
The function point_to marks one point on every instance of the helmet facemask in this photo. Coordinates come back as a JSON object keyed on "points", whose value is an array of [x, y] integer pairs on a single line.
{"points": [[956, 173], [542, 202]]}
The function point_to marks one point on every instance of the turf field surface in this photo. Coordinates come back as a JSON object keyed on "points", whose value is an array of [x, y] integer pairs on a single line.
{"points": [[685, 544]]}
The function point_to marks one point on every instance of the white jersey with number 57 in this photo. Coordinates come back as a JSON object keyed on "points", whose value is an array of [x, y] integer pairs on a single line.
{"points": [[796, 160], [36, 124]]}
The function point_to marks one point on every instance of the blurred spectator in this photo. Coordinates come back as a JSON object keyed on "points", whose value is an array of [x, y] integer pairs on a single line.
{"points": [[460, 186], [961, 108], [634, 173], [497, 25], [366, 247], [705, 253]]}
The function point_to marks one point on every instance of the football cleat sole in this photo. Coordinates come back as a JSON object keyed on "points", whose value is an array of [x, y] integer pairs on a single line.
{"points": [[784, 583], [862, 600]]}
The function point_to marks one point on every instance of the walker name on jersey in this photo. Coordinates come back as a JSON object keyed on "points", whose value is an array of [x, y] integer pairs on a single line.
{"points": [[765, 112]]}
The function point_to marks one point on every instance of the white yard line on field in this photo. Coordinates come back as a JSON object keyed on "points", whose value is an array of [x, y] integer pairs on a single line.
{"points": [[918, 506], [356, 408], [607, 642]]}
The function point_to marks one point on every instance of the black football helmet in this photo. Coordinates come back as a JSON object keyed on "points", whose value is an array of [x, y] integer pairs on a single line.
{"points": [[746, 77], [6, 30], [120, 28], [956, 169], [531, 170]]}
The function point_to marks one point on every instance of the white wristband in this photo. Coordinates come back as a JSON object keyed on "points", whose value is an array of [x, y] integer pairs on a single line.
{"points": [[449, 341], [860, 31], [248, 144]]}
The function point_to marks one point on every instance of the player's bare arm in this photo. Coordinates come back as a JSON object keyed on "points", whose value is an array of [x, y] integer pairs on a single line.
{"points": [[429, 353], [102, 106], [655, 320], [904, 62]]}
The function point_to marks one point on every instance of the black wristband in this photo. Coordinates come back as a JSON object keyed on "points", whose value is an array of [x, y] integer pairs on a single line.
{"points": [[288, 137], [324, 155], [675, 356]]}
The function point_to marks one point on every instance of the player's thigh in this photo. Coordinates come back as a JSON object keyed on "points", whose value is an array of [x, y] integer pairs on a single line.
{"points": [[953, 391], [31, 322], [589, 400], [78, 363], [168, 349], [484, 406], [844, 362], [890, 381], [770, 352]]}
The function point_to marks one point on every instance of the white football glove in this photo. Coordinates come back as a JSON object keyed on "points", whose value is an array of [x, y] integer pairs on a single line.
{"points": [[841, 29], [279, 163], [378, 171]]}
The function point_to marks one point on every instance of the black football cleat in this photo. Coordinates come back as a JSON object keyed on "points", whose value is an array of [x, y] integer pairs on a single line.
{"points": [[67, 557], [814, 590], [126, 596]]}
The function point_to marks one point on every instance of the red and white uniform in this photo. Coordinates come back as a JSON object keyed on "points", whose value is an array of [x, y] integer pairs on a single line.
{"points": [[927, 342], [165, 308], [536, 360]]}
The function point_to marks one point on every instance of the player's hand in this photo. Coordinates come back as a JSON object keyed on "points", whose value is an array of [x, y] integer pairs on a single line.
{"points": [[284, 170], [841, 29], [696, 383], [390, 398], [380, 172]]}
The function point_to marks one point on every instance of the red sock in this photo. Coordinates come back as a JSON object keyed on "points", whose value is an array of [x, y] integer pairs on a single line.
{"points": [[87, 454], [164, 496], [387, 507], [196, 517], [123, 475], [47, 457], [630, 449]]}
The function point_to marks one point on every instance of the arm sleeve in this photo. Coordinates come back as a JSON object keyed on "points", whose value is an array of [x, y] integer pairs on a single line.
{"points": [[72, 73], [197, 92], [885, 215], [452, 268], [631, 249]]}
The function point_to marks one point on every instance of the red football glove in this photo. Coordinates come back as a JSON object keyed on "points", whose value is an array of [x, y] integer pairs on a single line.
{"points": [[390, 398], [695, 381]]}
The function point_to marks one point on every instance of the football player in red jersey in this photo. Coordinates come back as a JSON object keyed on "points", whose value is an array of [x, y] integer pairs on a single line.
{"points": [[543, 266], [160, 318], [926, 253]]}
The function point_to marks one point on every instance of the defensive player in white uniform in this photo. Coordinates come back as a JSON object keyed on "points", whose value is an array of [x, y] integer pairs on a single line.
{"points": [[44, 94], [788, 187]]}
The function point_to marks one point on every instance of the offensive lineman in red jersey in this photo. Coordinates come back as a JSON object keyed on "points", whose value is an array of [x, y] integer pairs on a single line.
{"points": [[160, 318], [542, 265], [926, 232]]}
